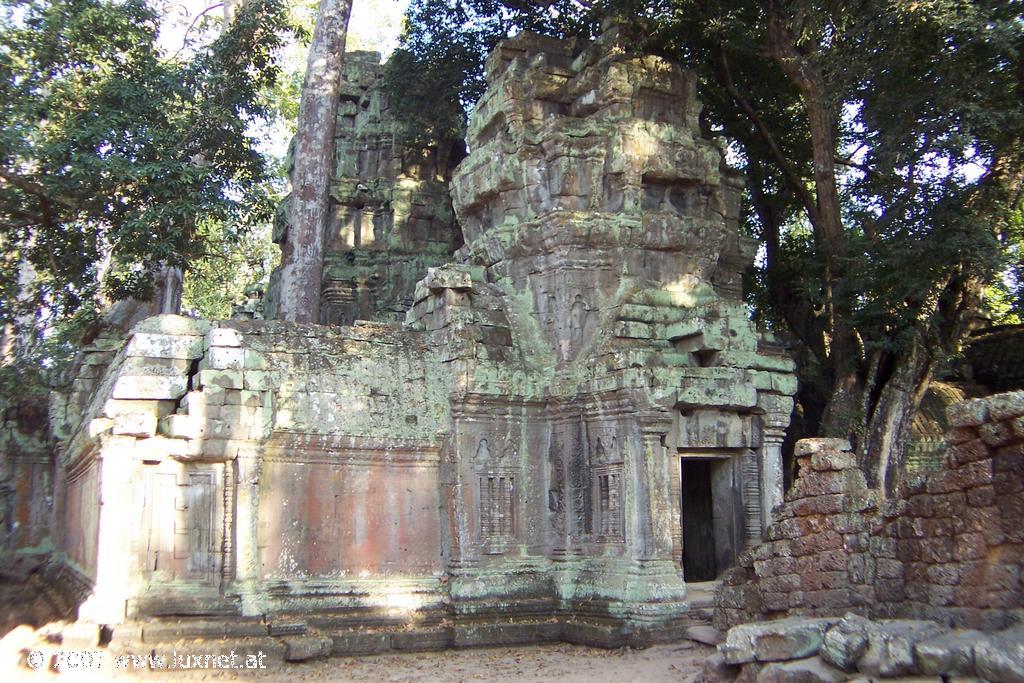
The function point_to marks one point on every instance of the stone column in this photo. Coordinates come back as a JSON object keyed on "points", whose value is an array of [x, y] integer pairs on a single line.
{"points": [[108, 602], [247, 555], [656, 521], [771, 467]]}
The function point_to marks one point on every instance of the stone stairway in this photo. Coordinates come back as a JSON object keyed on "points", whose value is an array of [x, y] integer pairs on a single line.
{"points": [[701, 597]]}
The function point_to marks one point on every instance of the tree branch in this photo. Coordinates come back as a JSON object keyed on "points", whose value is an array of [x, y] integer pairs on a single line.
{"points": [[795, 181], [36, 190], [184, 38]]}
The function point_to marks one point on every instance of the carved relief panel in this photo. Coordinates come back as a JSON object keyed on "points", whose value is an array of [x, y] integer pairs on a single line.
{"points": [[607, 490], [496, 495], [180, 515], [579, 483], [556, 487], [567, 300]]}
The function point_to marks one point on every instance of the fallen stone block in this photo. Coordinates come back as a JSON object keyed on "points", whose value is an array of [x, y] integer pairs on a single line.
{"points": [[708, 635], [845, 642], [1000, 658], [891, 643], [793, 638], [949, 653], [715, 669], [301, 648], [809, 670]]}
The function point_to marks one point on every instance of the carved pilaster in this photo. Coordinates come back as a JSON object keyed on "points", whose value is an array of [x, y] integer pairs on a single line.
{"points": [[777, 409], [675, 485], [107, 604], [753, 524], [247, 503], [227, 568], [771, 470], [654, 521]]}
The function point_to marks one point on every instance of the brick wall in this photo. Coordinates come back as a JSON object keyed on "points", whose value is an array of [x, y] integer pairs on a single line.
{"points": [[949, 548]]}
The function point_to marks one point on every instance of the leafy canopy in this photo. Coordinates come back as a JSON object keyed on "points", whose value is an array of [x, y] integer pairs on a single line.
{"points": [[112, 154]]}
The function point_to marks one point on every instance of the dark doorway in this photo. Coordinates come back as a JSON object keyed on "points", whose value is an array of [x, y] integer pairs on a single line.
{"points": [[699, 563]]}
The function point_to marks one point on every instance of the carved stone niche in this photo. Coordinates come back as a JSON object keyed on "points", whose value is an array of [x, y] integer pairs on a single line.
{"points": [[606, 469], [496, 497]]}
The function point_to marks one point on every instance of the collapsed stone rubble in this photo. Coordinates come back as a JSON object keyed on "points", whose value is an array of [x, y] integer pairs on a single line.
{"points": [[830, 650], [932, 575]]}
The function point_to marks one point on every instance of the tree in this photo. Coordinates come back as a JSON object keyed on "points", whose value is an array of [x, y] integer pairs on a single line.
{"points": [[308, 205], [99, 135], [881, 142], [894, 242]]}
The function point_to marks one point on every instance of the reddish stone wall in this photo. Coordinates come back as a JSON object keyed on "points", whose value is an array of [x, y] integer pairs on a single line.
{"points": [[350, 517], [80, 524], [950, 548], [26, 469]]}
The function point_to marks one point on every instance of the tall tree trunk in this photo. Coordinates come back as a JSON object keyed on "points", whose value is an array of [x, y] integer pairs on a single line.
{"points": [[842, 414], [892, 412], [313, 165]]}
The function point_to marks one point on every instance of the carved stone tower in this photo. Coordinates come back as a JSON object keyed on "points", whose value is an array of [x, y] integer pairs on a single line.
{"points": [[391, 215], [608, 358]]}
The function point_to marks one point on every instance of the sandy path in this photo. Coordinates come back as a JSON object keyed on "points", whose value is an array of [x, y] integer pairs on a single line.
{"points": [[558, 663]]}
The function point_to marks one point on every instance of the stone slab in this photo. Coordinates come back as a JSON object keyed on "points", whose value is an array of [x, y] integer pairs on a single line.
{"points": [[808, 670], [792, 638]]}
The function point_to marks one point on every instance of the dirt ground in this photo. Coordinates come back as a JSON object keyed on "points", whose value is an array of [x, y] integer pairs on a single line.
{"points": [[558, 663]]}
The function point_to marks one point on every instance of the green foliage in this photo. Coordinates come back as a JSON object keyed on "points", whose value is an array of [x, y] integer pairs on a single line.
{"points": [[232, 264], [927, 101], [112, 155]]}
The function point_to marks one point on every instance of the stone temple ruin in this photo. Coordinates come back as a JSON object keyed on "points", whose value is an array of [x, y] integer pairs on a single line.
{"points": [[536, 411], [392, 217], [575, 419]]}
